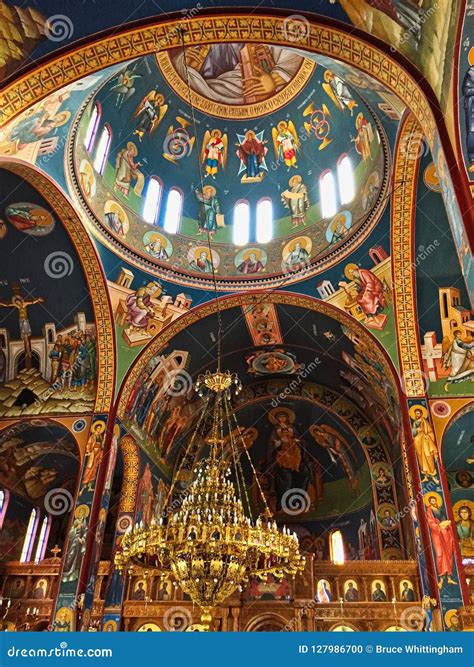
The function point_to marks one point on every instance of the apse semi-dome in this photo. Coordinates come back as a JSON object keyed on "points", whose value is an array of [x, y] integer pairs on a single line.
{"points": [[270, 153]]}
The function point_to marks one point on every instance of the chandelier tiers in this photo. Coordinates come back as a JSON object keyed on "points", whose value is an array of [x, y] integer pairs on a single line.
{"points": [[211, 544]]}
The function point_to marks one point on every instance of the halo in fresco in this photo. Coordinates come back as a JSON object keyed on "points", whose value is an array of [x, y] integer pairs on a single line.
{"points": [[116, 218], [87, 178], [30, 218], [370, 191], [199, 259], [338, 227], [157, 245], [250, 261], [431, 179]]}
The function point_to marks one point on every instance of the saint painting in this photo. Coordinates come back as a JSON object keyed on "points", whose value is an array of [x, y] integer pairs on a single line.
{"points": [[214, 152], [127, 171], [251, 261], [150, 113], [236, 74], [425, 444], [338, 92], [251, 150], [442, 538], [210, 215], [370, 293], [296, 199], [378, 593], [286, 143], [364, 137]]}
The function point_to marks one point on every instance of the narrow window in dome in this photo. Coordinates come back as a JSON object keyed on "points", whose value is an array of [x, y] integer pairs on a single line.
{"points": [[174, 205], [151, 206], [43, 539], [264, 221], [29, 537], [345, 179], [103, 149], [241, 226], [327, 193], [336, 547], [91, 132]]}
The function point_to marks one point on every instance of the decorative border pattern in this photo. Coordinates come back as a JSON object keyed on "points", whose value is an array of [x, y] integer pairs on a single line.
{"points": [[236, 301], [405, 173], [165, 35], [94, 276], [131, 465]]}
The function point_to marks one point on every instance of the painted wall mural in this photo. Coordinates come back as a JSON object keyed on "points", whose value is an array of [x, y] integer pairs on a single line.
{"points": [[443, 534], [48, 350], [466, 92], [37, 457], [458, 458], [334, 123], [445, 317]]}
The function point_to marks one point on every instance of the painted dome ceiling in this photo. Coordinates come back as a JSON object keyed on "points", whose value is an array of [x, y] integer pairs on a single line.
{"points": [[236, 140]]}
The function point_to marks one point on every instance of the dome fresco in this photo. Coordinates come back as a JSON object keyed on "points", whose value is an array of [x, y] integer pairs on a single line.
{"points": [[252, 177], [215, 188]]}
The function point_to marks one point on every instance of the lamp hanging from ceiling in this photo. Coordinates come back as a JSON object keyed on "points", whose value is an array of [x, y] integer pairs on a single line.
{"points": [[211, 544], [206, 535]]}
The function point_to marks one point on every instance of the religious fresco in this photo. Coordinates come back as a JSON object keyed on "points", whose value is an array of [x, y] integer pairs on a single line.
{"points": [[416, 30], [37, 459], [200, 161], [48, 349], [466, 92], [157, 408], [262, 145], [458, 458], [445, 318], [443, 534], [236, 80]]}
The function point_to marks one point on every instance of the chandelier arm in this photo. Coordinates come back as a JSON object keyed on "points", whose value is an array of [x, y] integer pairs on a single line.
{"points": [[238, 465], [234, 452], [254, 472]]}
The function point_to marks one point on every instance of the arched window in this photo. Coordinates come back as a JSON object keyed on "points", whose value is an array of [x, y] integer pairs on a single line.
{"points": [[42, 539], [151, 206], [336, 547], [91, 132], [241, 223], [4, 498], [103, 148], [264, 221], [345, 179], [174, 205], [327, 193], [29, 537]]}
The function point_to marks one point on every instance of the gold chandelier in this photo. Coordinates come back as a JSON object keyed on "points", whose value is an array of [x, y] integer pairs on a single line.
{"points": [[211, 544]]}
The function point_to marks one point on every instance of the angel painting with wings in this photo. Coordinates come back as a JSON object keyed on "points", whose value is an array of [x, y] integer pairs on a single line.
{"points": [[150, 112], [286, 143], [214, 151], [125, 86]]}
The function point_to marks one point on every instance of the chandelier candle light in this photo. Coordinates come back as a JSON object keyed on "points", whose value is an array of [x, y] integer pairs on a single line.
{"points": [[211, 544]]}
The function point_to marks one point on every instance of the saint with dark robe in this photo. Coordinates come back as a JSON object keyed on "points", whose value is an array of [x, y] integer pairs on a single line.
{"points": [[252, 154], [468, 94]]}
